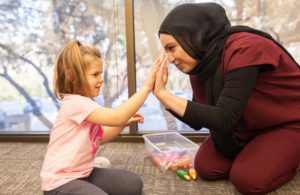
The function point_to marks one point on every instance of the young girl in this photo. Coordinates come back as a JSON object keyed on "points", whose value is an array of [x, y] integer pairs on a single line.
{"points": [[77, 132]]}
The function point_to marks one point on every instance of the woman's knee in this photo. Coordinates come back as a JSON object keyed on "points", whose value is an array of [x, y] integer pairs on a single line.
{"points": [[246, 184], [210, 171], [203, 171], [249, 185], [209, 164], [247, 180], [256, 182]]}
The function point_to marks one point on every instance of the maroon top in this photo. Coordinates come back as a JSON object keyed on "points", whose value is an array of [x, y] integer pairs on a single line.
{"points": [[275, 100]]}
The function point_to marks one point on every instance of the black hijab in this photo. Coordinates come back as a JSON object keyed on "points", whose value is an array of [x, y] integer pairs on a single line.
{"points": [[202, 30]]}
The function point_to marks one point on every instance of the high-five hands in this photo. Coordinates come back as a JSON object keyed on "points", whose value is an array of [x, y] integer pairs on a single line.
{"points": [[161, 75], [151, 78]]}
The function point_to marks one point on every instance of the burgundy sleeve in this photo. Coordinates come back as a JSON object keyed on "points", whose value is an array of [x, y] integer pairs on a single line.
{"points": [[246, 49]]}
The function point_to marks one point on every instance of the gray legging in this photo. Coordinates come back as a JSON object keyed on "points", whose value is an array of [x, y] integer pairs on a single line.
{"points": [[102, 181]]}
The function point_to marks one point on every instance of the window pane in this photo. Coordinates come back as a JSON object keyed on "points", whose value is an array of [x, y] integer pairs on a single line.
{"points": [[279, 18], [32, 34]]}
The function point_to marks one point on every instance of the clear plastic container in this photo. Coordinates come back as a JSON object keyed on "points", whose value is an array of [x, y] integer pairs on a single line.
{"points": [[171, 150]]}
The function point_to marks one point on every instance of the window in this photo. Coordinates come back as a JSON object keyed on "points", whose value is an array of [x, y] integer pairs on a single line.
{"points": [[32, 34]]}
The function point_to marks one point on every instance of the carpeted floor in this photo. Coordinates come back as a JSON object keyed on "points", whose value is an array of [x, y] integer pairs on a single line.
{"points": [[20, 165]]}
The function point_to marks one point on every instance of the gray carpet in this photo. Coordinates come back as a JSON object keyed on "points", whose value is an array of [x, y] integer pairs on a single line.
{"points": [[20, 165]]}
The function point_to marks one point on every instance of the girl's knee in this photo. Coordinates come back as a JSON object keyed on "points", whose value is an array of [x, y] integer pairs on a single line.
{"points": [[138, 188], [134, 186]]}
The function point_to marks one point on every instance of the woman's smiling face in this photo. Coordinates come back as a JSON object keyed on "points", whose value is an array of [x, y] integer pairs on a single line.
{"points": [[176, 54]]}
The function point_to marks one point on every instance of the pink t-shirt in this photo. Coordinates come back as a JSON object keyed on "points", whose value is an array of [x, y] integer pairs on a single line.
{"points": [[73, 143]]}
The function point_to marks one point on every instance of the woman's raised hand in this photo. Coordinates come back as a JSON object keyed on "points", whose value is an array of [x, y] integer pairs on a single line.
{"points": [[151, 78], [161, 75]]}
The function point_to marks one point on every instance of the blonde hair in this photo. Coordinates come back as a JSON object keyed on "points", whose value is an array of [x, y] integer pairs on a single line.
{"points": [[70, 69]]}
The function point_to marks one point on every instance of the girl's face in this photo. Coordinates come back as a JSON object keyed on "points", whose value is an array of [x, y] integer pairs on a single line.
{"points": [[176, 54], [94, 75]]}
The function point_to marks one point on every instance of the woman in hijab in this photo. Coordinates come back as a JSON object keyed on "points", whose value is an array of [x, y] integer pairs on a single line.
{"points": [[246, 91]]}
